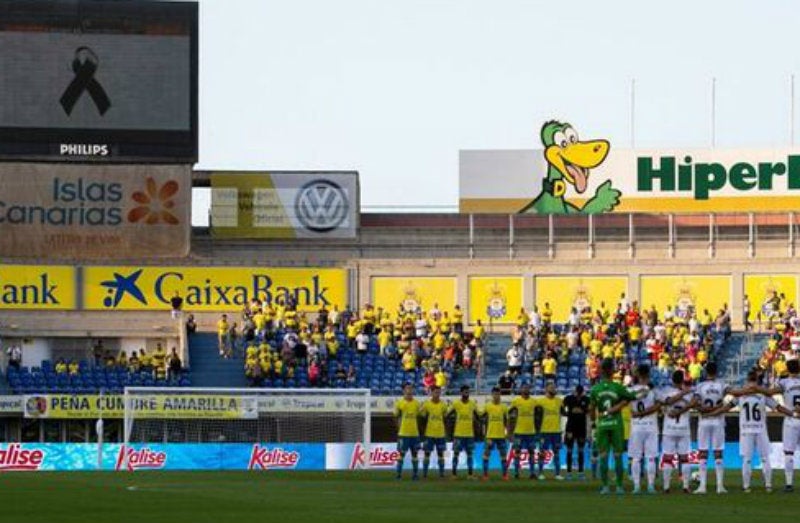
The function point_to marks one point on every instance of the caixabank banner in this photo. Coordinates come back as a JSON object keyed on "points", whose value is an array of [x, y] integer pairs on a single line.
{"points": [[211, 288], [39, 287], [579, 170], [85, 212]]}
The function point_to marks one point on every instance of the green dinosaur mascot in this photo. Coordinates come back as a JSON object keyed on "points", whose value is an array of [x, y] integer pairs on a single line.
{"points": [[568, 161]]}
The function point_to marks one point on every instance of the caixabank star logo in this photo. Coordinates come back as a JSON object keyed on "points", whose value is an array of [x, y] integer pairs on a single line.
{"points": [[155, 204], [122, 286]]}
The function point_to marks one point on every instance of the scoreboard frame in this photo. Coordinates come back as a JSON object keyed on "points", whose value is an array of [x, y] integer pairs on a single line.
{"points": [[104, 145]]}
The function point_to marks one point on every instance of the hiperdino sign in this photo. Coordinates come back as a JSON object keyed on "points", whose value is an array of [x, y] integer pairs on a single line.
{"points": [[558, 180], [703, 179]]}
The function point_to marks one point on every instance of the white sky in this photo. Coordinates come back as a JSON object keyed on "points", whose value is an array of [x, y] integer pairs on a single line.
{"points": [[394, 88]]}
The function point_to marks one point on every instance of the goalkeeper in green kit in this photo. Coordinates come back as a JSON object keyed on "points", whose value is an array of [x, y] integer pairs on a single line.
{"points": [[607, 399]]}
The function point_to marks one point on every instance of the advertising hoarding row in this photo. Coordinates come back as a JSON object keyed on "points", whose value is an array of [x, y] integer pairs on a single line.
{"points": [[498, 299], [257, 456], [159, 406]]}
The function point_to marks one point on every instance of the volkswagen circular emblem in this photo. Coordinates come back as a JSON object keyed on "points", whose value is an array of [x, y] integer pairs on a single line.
{"points": [[321, 206]]}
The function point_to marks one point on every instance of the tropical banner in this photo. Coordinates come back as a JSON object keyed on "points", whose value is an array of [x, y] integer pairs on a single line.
{"points": [[155, 406], [107, 212], [770, 293], [413, 292], [38, 287], [682, 292], [565, 292], [577, 170], [496, 299], [211, 288]]}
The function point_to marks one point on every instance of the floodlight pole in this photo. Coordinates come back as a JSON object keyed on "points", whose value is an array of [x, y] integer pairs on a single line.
{"points": [[633, 113], [713, 112], [791, 110]]}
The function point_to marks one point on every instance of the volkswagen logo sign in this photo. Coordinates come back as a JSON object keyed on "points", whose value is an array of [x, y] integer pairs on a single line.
{"points": [[321, 205]]}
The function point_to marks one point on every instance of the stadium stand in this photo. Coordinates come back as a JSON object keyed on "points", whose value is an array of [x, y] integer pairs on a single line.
{"points": [[301, 353]]}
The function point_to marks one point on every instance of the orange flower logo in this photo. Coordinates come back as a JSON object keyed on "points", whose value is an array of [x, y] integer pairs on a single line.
{"points": [[155, 204]]}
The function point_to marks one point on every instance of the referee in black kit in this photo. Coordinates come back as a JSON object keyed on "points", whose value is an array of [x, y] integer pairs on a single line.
{"points": [[576, 409]]}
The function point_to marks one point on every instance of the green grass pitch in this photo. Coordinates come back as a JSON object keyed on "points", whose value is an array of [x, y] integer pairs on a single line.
{"points": [[356, 497]]}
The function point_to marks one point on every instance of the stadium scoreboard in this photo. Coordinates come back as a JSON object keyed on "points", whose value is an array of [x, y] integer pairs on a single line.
{"points": [[98, 80]]}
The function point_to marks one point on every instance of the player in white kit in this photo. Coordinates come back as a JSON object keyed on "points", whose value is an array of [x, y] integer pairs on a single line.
{"points": [[790, 388], [753, 436], [643, 442], [676, 434], [710, 396]]}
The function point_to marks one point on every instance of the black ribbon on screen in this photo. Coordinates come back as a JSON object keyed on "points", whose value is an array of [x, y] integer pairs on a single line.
{"points": [[84, 65]]}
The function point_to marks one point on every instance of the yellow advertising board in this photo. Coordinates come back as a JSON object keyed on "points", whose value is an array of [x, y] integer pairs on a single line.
{"points": [[762, 289], [565, 292], [37, 287], [159, 406], [680, 292], [413, 292], [211, 288], [494, 298]]}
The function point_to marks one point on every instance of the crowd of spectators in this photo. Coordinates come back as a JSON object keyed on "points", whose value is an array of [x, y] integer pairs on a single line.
{"points": [[783, 343], [159, 362], [278, 341], [676, 338]]}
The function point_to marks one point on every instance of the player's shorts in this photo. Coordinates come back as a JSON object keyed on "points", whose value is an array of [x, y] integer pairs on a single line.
{"points": [[754, 442], [710, 432], [609, 440], [571, 438], [791, 435], [525, 441], [676, 444], [437, 444], [643, 443], [406, 444], [463, 445], [501, 444], [550, 440]]}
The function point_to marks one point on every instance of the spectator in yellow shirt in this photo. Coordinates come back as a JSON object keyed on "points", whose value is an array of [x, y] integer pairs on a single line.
{"points": [[458, 320], [384, 340], [547, 314], [479, 332], [222, 333], [409, 361], [438, 341], [695, 371], [549, 366], [441, 379]]}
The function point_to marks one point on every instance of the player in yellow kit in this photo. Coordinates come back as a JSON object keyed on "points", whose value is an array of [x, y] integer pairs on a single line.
{"points": [[524, 430], [434, 410], [466, 412], [496, 415], [550, 433], [406, 413]]}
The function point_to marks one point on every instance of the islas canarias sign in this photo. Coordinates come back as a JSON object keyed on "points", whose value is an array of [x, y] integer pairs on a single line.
{"points": [[588, 175]]}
